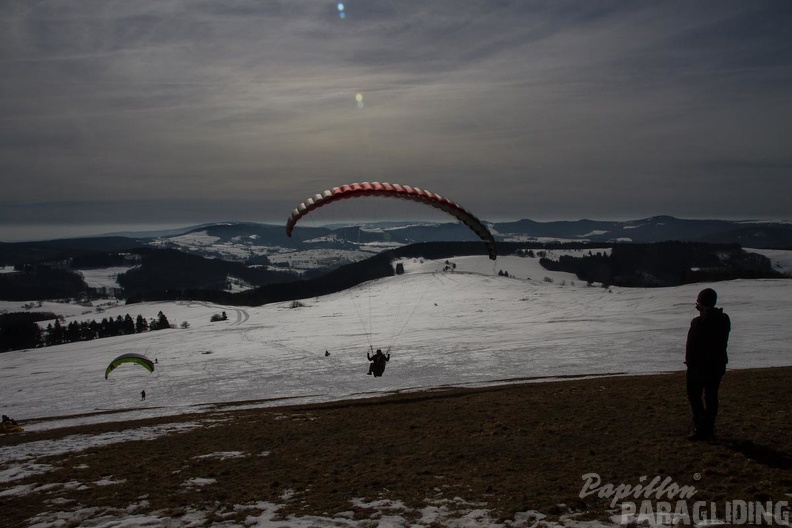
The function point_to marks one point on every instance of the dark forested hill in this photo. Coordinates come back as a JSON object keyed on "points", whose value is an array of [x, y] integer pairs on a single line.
{"points": [[666, 264], [204, 262], [17, 253]]}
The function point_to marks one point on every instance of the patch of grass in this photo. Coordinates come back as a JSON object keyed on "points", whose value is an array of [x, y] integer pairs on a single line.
{"points": [[509, 448]]}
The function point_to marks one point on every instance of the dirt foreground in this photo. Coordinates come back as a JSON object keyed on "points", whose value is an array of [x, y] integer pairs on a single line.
{"points": [[553, 447]]}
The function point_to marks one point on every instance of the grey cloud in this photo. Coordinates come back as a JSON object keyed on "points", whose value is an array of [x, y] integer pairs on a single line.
{"points": [[513, 107]]}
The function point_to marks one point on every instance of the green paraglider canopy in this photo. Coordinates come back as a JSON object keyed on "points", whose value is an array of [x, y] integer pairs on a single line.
{"points": [[140, 359]]}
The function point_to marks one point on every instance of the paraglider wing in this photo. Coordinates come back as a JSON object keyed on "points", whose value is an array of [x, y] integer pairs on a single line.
{"points": [[140, 359], [394, 191]]}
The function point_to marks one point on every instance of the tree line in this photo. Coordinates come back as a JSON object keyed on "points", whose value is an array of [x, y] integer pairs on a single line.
{"points": [[665, 264], [21, 330]]}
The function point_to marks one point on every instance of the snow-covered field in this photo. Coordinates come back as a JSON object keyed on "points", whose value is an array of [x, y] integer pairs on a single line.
{"points": [[466, 327]]}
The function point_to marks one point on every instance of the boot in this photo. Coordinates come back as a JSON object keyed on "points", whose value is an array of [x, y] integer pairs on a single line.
{"points": [[700, 430]]}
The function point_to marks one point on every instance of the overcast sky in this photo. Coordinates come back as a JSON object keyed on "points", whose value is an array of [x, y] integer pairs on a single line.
{"points": [[189, 111]]}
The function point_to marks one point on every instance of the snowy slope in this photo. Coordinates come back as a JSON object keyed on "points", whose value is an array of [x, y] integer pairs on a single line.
{"points": [[463, 327]]}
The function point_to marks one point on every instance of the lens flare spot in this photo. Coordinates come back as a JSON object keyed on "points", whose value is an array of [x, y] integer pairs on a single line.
{"points": [[340, 6], [359, 97]]}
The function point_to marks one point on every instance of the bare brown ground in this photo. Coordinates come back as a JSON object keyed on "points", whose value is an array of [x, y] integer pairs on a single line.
{"points": [[509, 448]]}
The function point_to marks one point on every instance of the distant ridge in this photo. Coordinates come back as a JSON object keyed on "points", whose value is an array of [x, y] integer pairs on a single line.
{"points": [[757, 234]]}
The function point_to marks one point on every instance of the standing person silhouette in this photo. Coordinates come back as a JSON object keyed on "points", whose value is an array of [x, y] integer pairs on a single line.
{"points": [[706, 359]]}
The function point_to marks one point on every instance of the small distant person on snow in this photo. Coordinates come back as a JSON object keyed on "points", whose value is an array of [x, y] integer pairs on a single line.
{"points": [[9, 421], [706, 359], [142, 395], [327, 353], [378, 361]]}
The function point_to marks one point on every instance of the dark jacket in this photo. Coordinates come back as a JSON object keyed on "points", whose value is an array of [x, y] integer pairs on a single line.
{"points": [[379, 359], [707, 340]]}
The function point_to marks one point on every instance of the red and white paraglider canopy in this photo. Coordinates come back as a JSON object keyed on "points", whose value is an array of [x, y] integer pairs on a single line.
{"points": [[393, 190]]}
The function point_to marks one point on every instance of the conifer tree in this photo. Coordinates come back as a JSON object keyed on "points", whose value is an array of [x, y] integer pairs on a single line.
{"points": [[162, 321]]}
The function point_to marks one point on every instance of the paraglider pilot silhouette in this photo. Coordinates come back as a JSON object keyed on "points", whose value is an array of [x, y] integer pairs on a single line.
{"points": [[378, 361]]}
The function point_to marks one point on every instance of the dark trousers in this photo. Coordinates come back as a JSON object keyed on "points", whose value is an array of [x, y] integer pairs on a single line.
{"points": [[702, 393]]}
